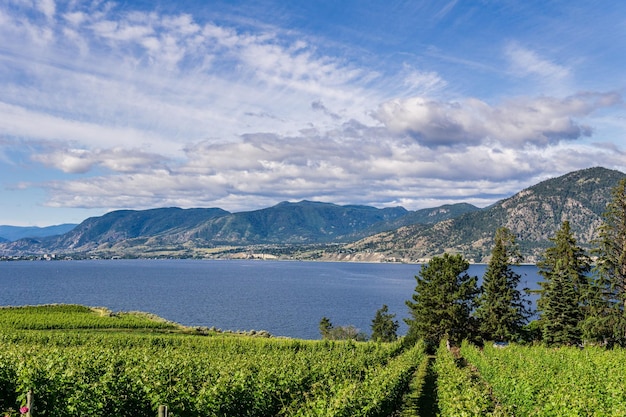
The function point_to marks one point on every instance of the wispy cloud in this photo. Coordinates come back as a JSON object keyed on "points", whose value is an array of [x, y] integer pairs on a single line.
{"points": [[96, 78], [421, 82], [526, 62], [445, 9]]}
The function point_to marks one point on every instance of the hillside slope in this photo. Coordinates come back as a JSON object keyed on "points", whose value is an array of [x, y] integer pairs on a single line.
{"points": [[293, 223], [533, 215]]}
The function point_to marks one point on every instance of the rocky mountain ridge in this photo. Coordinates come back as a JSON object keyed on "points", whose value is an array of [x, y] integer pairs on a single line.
{"points": [[533, 215]]}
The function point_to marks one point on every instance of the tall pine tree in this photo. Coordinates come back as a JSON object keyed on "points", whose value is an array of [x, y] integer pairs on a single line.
{"points": [[502, 311], [443, 301], [607, 319], [563, 294]]}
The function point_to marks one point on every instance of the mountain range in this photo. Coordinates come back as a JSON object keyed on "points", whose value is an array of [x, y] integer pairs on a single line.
{"points": [[533, 215], [317, 230], [11, 233]]}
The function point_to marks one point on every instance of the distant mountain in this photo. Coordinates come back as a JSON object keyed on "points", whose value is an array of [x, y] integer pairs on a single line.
{"points": [[181, 232], [317, 230], [123, 225], [12, 233], [431, 215], [294, 223], [533, 215]]}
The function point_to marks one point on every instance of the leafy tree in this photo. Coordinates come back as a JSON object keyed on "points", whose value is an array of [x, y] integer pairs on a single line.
{"points": [[563, 293], [330, 332], [384, 327], [502, 311], [348, 332], [443, 301], [607, 319]]}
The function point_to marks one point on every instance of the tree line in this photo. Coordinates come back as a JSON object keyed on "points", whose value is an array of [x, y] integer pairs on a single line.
{"points": [[384, 328], [582, 298]]}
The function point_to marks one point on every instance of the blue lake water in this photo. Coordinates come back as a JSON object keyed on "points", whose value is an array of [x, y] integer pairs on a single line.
{"points": [[284, 298]]}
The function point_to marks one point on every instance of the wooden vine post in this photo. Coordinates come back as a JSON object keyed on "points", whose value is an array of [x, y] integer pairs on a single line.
{"points": [[29, 403], [162, 411]]}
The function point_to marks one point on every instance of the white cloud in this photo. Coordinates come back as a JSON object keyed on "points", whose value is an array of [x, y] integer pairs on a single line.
{"points": [[445, 10], [539, 121], [354, 164], [19, 122], [47, 7], [422, 83], [144, 73], [118, 160]]}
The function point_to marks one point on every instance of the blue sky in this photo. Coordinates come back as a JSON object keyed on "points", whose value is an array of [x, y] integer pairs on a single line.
{"points": [[244, 104]]}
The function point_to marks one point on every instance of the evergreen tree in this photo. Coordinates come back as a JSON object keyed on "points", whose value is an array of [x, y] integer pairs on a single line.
{"points": [[443, 301], [607, 319], [325, 327], [384, 327], [502, 311], [563, 294]]}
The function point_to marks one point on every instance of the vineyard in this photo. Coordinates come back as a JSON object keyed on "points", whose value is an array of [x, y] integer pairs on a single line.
{"points": [[542, 381], [117, 372], [91, 362]]}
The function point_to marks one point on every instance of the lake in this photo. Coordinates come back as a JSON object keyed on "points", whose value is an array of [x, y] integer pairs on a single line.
{"points": [[286, 298]]}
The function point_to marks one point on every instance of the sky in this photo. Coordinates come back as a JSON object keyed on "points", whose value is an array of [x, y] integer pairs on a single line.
{"points": [[242, 104]]}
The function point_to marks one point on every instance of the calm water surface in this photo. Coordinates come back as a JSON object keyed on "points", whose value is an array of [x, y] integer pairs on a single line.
{"points": [[284, 298]]}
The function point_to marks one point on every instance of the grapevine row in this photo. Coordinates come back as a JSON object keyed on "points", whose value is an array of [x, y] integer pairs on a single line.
{"points": [[460, 390], [131, 375], [379, 393], [542, 381]]}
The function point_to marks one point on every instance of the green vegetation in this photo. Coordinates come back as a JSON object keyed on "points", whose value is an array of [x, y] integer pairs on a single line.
{"points": [[460, 389], [92, 362], [606, 322], [542, 381], [574, 307], [443, 301], [502, 311], [384, 327], [563, 293], [331, 332], [64, 316], [125, 372]]}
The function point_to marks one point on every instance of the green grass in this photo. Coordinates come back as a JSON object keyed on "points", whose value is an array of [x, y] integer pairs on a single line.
{"points": [[69, 316]]}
